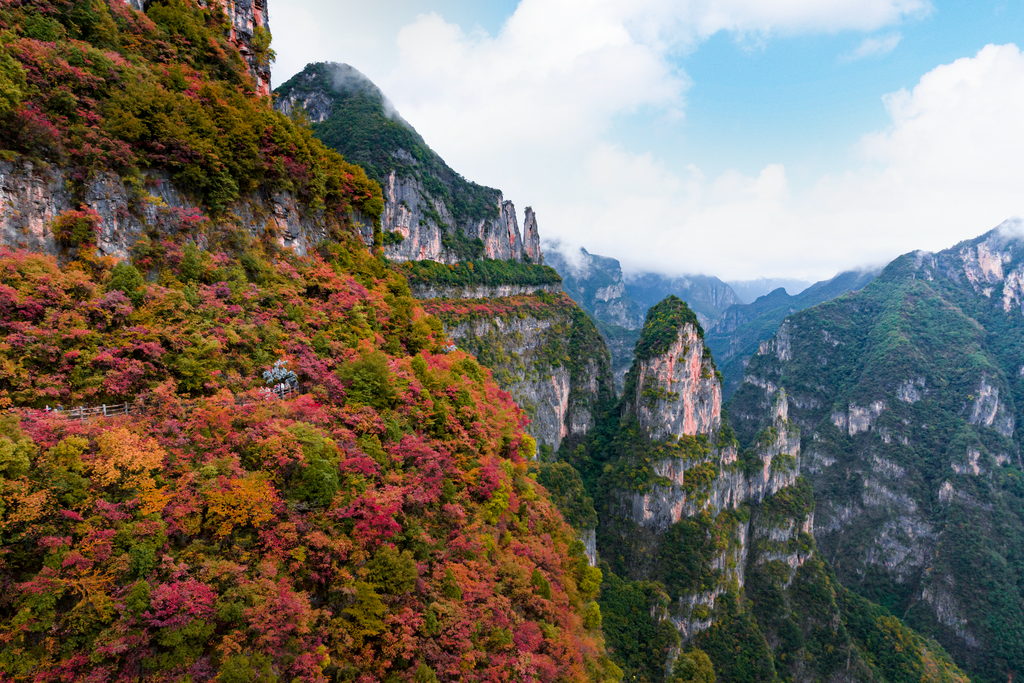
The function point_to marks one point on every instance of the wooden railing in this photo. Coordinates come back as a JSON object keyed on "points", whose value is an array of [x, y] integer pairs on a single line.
{"points": [[91, 413]]}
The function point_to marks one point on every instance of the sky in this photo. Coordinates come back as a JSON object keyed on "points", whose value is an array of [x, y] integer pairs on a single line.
{"points": [[736, 138]]}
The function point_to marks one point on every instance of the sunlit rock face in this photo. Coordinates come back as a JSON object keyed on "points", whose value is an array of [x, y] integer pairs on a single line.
{"points": [[423, 221], [695, 476], [677, 392]]}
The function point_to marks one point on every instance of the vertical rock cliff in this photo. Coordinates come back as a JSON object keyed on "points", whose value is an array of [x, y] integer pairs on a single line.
{"points": [[676, 392], [726, 532], [544, 351], [681, 468], [33, 198], [250, 32], [531, 237], [430, 211]]}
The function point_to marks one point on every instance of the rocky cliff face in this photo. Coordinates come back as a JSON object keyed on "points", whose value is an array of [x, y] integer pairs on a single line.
{"points": [[544, 351], [596, 283], [425, 226], [727, 532], [695, 473], [430, 291], [430, 211], [692, 474], [531, 237], [33, 197], [909, 394], [677, 392]]}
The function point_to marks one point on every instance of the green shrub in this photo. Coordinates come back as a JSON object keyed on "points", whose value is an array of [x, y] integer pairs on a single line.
{"points": [[392, 572], [127, 279], [368, 381], [12, 83], [469, 273], [693, 667], [74, 228], [317, 481]]}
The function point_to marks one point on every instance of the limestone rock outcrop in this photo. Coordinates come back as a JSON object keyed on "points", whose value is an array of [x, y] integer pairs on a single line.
{"points": [[909, 396], [33, 197], [545, 352], [677, 392], [426, 226], [693, 476]]}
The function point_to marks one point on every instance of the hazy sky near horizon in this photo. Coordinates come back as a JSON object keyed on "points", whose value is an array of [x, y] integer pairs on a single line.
{"points": [[737, 138]]}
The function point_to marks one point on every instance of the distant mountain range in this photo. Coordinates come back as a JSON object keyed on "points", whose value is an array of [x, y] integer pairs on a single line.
{"points": [[619, 302], [749, 290], [737, 333]]}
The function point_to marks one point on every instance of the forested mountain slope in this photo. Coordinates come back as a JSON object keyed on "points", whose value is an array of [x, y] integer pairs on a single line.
{"points": [[909, 395], [709, 558], [737, 334], [430, 211], [380, 524]]}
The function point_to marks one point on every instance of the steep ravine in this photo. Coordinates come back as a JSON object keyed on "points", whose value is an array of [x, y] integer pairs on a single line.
{"points": [[725, 533]]}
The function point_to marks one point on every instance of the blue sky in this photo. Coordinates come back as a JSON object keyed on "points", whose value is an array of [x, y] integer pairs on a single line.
{"points": [[796, 100], [739, 138]]}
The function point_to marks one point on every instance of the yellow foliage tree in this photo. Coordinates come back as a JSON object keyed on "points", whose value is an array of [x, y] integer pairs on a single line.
{"points": [[242, 502], [127, 461]]}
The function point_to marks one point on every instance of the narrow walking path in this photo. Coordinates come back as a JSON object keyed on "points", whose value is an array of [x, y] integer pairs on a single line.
{"points": [[83, 413]]}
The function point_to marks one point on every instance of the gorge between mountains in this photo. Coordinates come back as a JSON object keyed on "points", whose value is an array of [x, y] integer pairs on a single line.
{"points": [[508, 462]]}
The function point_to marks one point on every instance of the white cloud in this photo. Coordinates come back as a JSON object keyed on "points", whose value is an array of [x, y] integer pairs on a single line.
{"points": [[699, 19], [552, 77], [949, 167], [873, 47]]}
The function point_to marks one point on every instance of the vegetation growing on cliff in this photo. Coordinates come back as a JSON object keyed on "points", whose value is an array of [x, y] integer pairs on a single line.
{"points": [[381, 524], [742, 580], [364, 128], [96, 86], [526, 340], [479, 272], [907, 360]]}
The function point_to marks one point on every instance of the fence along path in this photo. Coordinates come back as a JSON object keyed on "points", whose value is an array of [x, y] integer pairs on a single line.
{"points": [[90, 413]]}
